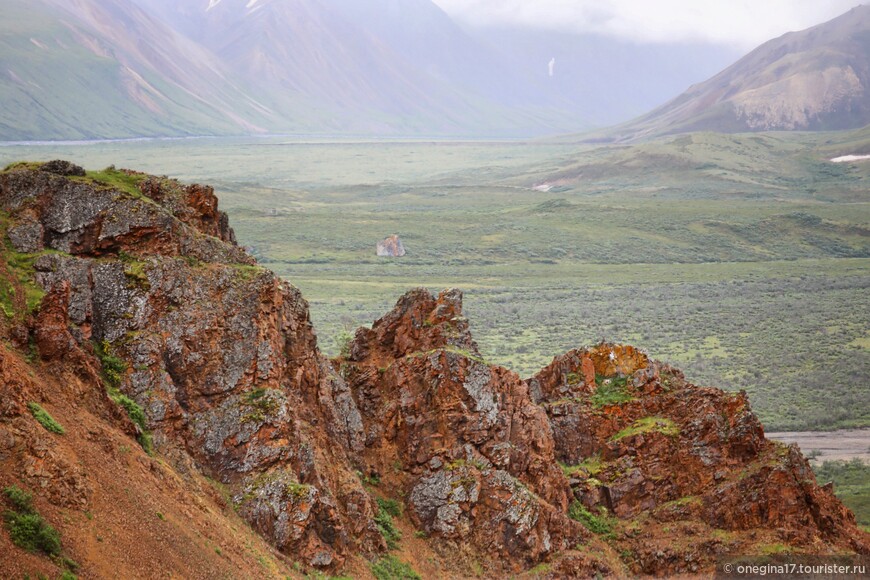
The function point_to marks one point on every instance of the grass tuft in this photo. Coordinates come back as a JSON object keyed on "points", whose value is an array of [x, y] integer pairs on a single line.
{"points": [[391, 506], [117, 179], [114, 368], [610, 391], [649, 425]]}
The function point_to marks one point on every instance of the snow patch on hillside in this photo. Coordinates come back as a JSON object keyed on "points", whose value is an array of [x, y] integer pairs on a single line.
{"points": [[849, 158]]}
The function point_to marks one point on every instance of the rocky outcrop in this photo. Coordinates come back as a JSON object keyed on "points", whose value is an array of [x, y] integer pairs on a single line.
{"points": [[477, 455], [218, 352], [641, 443], [604, 462], [391, 247]]}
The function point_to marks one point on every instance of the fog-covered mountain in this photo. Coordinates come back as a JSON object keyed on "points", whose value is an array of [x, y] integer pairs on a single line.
{"points": [[609, 80], [370, 66], [105, 68], [124, 68]]}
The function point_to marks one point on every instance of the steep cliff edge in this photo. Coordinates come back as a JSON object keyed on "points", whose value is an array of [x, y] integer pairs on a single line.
{"points": [[130, 314]]}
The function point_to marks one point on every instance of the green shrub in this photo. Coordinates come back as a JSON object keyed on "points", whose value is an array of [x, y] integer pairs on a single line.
{"points": [[137, 415], [342, 342], [391, 568], [26, 527], [391, 506], [372, 480], [21, 500], [44, 419], [134, 411], [114, 367], [387, 527], [601, 525]]}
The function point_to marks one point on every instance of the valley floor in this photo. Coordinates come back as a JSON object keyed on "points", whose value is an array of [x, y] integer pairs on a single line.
{"points": [[744, 260], [821, 446]]}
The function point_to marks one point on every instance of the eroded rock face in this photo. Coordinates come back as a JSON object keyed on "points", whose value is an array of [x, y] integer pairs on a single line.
{"points": [[81, 217], [644, 445], [222, 358], [477, 454], [219, 353]]}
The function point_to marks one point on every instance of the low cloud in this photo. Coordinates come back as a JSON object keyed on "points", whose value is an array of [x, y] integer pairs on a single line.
{"points": [[740, 24]]}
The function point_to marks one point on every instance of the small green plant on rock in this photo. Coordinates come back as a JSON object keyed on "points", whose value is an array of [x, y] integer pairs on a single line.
{"points": [[43, 418], [391, 506], [118, 179], [343, 341], [137, 415], [261, 406], [137, 275], [297, 490], [371, 480], [649, 425], [597, 524], [610, 391], [590, 466], [114, 368]]}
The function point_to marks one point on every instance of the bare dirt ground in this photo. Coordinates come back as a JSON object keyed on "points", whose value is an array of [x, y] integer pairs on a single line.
{"points": [[828, 445]]}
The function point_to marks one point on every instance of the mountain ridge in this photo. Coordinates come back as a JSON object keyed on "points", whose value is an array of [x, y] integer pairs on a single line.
{"points": [[140, 68], [815, 79]]}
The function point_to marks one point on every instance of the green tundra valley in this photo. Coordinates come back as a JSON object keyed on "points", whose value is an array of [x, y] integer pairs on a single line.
{"points": [[741, 259]]}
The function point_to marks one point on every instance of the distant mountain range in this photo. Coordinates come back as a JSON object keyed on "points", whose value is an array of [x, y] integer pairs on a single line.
{"points": [[816, 79], [86, 69]]}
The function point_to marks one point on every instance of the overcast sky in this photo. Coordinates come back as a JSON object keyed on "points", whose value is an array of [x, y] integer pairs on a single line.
{"points": [[741, 24]]}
